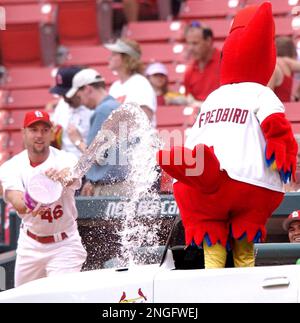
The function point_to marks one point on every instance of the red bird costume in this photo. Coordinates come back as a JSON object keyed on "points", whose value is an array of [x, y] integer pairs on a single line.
{"points": [[241, 149]]}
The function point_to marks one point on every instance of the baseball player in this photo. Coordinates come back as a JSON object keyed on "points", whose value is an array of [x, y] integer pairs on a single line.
{"points": [[49, 242]]}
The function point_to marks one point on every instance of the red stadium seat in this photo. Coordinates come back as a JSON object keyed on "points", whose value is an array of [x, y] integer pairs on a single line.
{"points": [[19, 2], [220, 27], [284, 26], [292, 112], [16, 143], [162, 52], [195, 9], [29, 36], [172, 116], [14, 120], [77, 22], [4, 119], [4, 140], [28, 77], [106, 73], [175, 74], [28, 99], [155, 31], [4, 156], [87, 55], [279, 7]]}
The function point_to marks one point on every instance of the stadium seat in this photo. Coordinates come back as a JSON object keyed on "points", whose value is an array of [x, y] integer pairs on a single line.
{"points": [[175, 116], [175, 73], [279, 7], [155, 31], [16, 143], [4, 156], [162, 52], [4, 119], [19, 2], [106, 73], [195, 9], [220, 27], [4, 139], [284, 26], [28, 77], [13, 119], [77, 22], [27, 99], [87, 55], [292, 112], [29, 38]]}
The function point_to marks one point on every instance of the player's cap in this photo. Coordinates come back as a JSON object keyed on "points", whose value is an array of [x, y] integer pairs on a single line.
{"points": [[156, 68], [84, 77], [294, 216], [63, 79], [36, 116], [123, 48]]}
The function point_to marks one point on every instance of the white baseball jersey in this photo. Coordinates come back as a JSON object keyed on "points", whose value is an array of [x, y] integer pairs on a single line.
{"points": [[61, 215], [229, 121], [79, 117], [136, 89]]}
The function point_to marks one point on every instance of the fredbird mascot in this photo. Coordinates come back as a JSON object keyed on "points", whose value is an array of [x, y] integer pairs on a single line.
{"points": [[231, 170]]}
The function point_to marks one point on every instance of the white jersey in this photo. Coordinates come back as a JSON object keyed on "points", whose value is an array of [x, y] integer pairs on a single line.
{"points": [[136, 89], [79, 117], [61, 215], [229, 121]]}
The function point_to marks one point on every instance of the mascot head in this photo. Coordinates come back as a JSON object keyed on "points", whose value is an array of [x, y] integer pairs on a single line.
{"points": [[249, 53]]}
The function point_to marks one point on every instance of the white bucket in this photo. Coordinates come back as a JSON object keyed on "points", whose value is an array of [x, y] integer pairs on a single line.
{"points": [[44, 190]]}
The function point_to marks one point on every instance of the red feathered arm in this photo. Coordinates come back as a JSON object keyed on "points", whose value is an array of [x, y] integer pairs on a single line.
{"points": [[197, 168], [281, 145]]}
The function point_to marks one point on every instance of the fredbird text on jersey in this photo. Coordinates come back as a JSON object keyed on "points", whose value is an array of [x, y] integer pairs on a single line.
{"points": [[234, 115]]}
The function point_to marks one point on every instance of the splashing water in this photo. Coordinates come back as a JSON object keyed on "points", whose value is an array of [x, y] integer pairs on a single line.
{"points": [[141, 228], [130, 125]]}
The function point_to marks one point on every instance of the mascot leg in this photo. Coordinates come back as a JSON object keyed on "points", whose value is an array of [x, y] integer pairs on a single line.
{"points": [[243, 253], [215, 255]]}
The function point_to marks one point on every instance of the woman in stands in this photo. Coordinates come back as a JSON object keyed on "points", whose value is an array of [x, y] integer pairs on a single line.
{"points": [[132, 85], [287, 64]]}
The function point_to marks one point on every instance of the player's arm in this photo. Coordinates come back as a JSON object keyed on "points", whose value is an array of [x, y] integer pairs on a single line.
{"points": [[293, 64], [276, 79], [64, 176], [16, 198]]}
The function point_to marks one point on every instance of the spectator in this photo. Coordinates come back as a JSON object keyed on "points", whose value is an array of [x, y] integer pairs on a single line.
{"points": [[157, 75], [287, 64], [132, 86], [49, 242], [106, 179], [203, 74], [69, 114], [292, 225]]}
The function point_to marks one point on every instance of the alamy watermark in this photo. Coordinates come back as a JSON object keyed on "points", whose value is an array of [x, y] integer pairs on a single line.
{"points": [[2, 278], [2, 19], [191, 160]]}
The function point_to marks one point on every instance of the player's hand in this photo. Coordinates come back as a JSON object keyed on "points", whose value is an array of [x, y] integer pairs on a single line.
{"points": [[63, 176]]}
